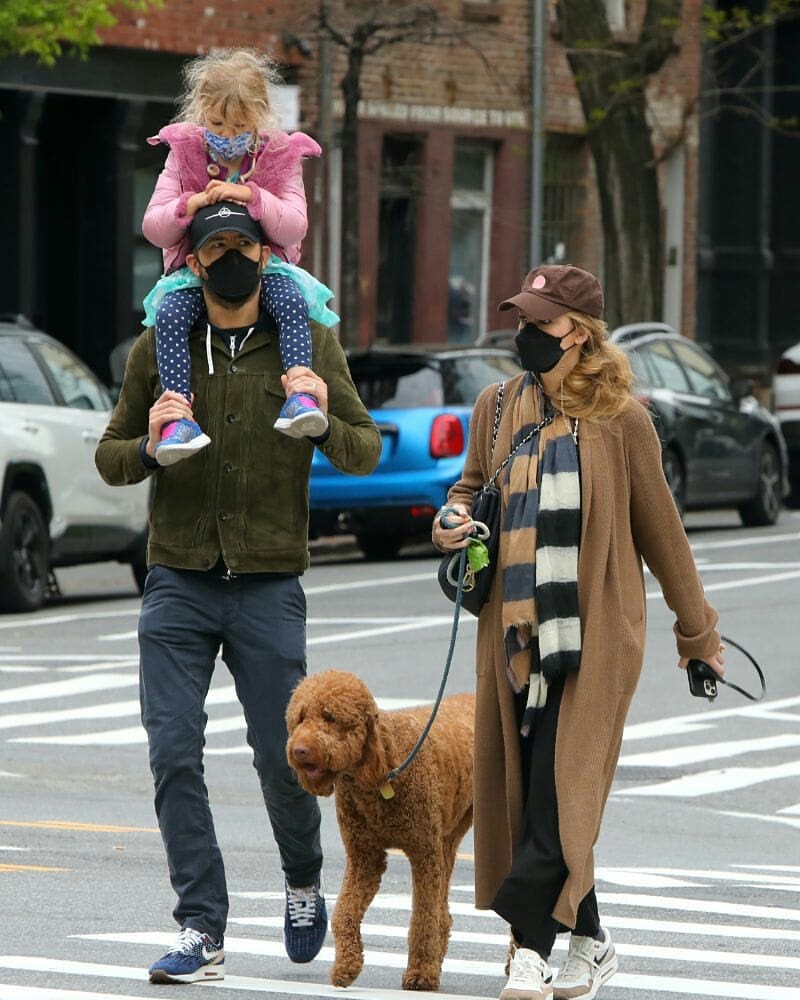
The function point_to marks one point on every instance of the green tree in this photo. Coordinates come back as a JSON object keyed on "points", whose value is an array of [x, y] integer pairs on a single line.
{"points": [[47, 29]]}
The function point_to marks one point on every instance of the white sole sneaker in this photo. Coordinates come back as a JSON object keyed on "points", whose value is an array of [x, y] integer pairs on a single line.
{"points": [[169, 454], [313, 424], [208, 974]]}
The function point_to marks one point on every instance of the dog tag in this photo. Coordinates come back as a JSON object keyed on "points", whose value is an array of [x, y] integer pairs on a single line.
{"points": [[386, 790]]}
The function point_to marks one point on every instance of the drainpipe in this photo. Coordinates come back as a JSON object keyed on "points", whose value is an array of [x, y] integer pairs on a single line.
{"points": [[538, 13]]}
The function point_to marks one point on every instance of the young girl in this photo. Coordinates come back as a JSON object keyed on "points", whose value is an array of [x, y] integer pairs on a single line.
{"points": [[223, 146]]}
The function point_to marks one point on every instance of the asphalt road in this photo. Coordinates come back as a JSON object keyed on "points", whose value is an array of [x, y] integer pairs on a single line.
{"points": [[698, 862]]}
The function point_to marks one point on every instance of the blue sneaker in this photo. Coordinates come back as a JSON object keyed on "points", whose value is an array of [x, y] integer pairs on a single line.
{"points": [[195, 957], [306, 922], [180, 439], [301, 416]]}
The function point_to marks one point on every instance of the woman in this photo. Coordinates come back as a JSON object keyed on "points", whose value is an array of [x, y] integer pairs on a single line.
{"points": [[561, 638]]}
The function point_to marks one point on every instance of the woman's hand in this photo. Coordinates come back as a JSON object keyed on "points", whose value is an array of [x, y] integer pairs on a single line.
{"points": [[715, 662], [456, 537], [225, 191], [168, 407]]}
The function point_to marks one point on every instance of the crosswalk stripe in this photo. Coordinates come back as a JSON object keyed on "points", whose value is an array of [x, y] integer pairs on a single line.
{"points": [[710, 782], [472, 967], [698, 753], [244, 983], [63, 689], [9, 992], [686, 986]]}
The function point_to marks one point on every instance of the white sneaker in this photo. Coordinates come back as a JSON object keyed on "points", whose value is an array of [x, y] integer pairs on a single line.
{"points": [[589, 964], [529, 978]]}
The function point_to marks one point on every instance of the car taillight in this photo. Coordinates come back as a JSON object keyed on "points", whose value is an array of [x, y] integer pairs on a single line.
{"points": [[447, 436], [787, 367]]}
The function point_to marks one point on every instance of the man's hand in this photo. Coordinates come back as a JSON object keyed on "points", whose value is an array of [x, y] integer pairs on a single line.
{"points": [[225, 191], [300, 379], [168, 407]]}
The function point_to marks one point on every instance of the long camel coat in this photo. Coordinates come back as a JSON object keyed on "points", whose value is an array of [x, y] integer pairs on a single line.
{"points": [[627, 514]]}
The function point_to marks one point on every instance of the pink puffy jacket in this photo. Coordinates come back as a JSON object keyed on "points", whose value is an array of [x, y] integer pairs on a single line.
{"points": [[279, 200]]}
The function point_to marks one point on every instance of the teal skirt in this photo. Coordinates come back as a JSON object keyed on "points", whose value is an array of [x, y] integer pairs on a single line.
{"points": [[316, 294]]}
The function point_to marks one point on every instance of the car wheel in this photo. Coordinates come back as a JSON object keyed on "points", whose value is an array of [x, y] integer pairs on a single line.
{"points": [[23, 555], [673, 473], [765, 506], [379, 545]]}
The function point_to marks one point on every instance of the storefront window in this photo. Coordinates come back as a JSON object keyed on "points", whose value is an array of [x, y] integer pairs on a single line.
{"points": [[471, 205]]}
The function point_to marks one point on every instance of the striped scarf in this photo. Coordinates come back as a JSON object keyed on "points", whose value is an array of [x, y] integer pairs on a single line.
{"points": [[539, 552]]}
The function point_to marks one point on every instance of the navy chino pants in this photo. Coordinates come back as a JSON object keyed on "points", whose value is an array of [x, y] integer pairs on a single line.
{"points": [[258, 622]]}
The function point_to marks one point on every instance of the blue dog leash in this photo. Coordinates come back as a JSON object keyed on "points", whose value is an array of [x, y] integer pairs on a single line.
{"points": [[386, 789]]}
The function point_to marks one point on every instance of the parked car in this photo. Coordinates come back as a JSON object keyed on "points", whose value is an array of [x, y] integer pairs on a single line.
{"points": [[421, 399], [786, 394], [55, 510], [720, 447]]}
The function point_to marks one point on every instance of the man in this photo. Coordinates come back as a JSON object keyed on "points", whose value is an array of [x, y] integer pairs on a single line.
{"points": [[228, 542]]}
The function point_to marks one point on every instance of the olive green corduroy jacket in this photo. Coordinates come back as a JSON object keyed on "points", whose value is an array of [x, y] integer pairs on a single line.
{"points": [[245, 496]]}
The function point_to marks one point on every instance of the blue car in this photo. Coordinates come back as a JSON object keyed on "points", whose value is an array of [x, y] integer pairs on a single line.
{"points": [[421, 398]]}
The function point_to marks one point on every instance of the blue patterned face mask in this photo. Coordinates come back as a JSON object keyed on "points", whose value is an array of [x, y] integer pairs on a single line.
{"points": [[228, 149]]}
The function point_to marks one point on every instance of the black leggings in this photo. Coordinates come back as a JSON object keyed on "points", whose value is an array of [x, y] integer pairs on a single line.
{"points": [[181, 309], [538, 872]]}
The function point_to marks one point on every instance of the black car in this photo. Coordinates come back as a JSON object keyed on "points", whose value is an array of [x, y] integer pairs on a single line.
{"points": [[720, 447]]}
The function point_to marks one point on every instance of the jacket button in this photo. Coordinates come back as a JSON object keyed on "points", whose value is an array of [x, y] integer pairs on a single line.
{"points": [[227, 467], [231, 418], [233, 369]]}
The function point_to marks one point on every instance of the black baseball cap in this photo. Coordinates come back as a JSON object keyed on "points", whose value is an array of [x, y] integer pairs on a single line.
{"points": [[224, 217]]}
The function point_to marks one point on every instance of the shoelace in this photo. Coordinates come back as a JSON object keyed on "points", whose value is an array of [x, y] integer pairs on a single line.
{"points": [[302, 906], [188, 941], [526, 967], [579, 959]]}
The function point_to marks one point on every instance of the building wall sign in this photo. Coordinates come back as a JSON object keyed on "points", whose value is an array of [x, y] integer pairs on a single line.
{"points": [[432, 114]]}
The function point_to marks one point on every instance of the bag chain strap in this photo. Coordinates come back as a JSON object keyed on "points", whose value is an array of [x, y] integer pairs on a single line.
{"points": [[531, 433]]}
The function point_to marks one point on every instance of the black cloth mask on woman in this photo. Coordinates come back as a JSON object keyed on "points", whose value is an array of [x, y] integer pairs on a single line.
{"points": [[234, 277], [539, 351]]}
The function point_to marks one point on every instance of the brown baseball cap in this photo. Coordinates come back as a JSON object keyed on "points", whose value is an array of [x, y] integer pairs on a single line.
{"points": [[553, 289]]}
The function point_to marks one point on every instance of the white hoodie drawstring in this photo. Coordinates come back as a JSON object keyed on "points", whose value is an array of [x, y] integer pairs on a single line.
{"points": [[208, 349]]}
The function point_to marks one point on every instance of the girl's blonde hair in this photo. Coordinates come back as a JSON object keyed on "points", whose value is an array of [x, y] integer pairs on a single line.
{"points": [[234, 81], [599, 386]]}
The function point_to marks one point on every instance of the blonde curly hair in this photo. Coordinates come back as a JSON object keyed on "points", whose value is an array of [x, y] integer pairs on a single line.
{"points": [[599, 386], [230, 81]]}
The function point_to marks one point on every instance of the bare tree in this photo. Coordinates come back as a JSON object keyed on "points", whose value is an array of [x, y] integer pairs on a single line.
{"points": [[360, 29]]}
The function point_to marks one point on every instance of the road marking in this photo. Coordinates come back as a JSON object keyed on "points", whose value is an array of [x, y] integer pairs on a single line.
{"points": [[782, 820], [704, 906], [735, 543], [671, 876], [712, 782], [679, 725], [65, 824], [31, 868], [8, 992], [66, 689], [697, 753]]}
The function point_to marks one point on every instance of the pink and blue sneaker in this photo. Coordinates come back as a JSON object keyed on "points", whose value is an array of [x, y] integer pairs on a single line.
{"points": [[179, 440], [301, 416]]}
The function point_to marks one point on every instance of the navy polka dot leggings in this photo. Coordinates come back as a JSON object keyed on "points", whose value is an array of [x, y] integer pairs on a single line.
{"points": [[181, 309]]}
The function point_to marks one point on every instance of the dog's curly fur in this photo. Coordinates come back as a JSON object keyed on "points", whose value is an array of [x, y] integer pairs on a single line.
{"points": [[339, 741]]}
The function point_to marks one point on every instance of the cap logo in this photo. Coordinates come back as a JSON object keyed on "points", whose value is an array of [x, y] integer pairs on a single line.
{"points": [[224, 213], [539, 281]]}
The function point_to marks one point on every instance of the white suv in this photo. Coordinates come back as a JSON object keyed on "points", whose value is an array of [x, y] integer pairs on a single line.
{"points": [[55, 510]]}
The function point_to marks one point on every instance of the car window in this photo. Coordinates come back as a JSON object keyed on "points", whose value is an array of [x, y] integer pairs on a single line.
{"points": [[464, 377], [396, 383], [21, 378], [664, 365], [642, 376], [77, 385], [706, 379]]}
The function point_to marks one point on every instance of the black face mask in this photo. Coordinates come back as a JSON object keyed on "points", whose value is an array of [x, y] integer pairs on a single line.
{"points": [[539, 351], [234, 277]]}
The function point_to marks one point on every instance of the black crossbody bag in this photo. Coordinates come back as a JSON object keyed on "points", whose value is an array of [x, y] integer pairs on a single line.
{"points": [[485, 510]]}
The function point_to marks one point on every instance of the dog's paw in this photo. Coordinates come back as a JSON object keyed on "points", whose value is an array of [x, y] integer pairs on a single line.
{"points": [[343, 974], [416, 979]]}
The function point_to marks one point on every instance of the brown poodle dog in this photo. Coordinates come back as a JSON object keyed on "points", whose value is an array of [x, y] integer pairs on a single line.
{"points": [[339, 740]]}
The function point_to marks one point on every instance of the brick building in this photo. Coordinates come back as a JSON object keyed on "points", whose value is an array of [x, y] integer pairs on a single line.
{"points": [[444, 140]]}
